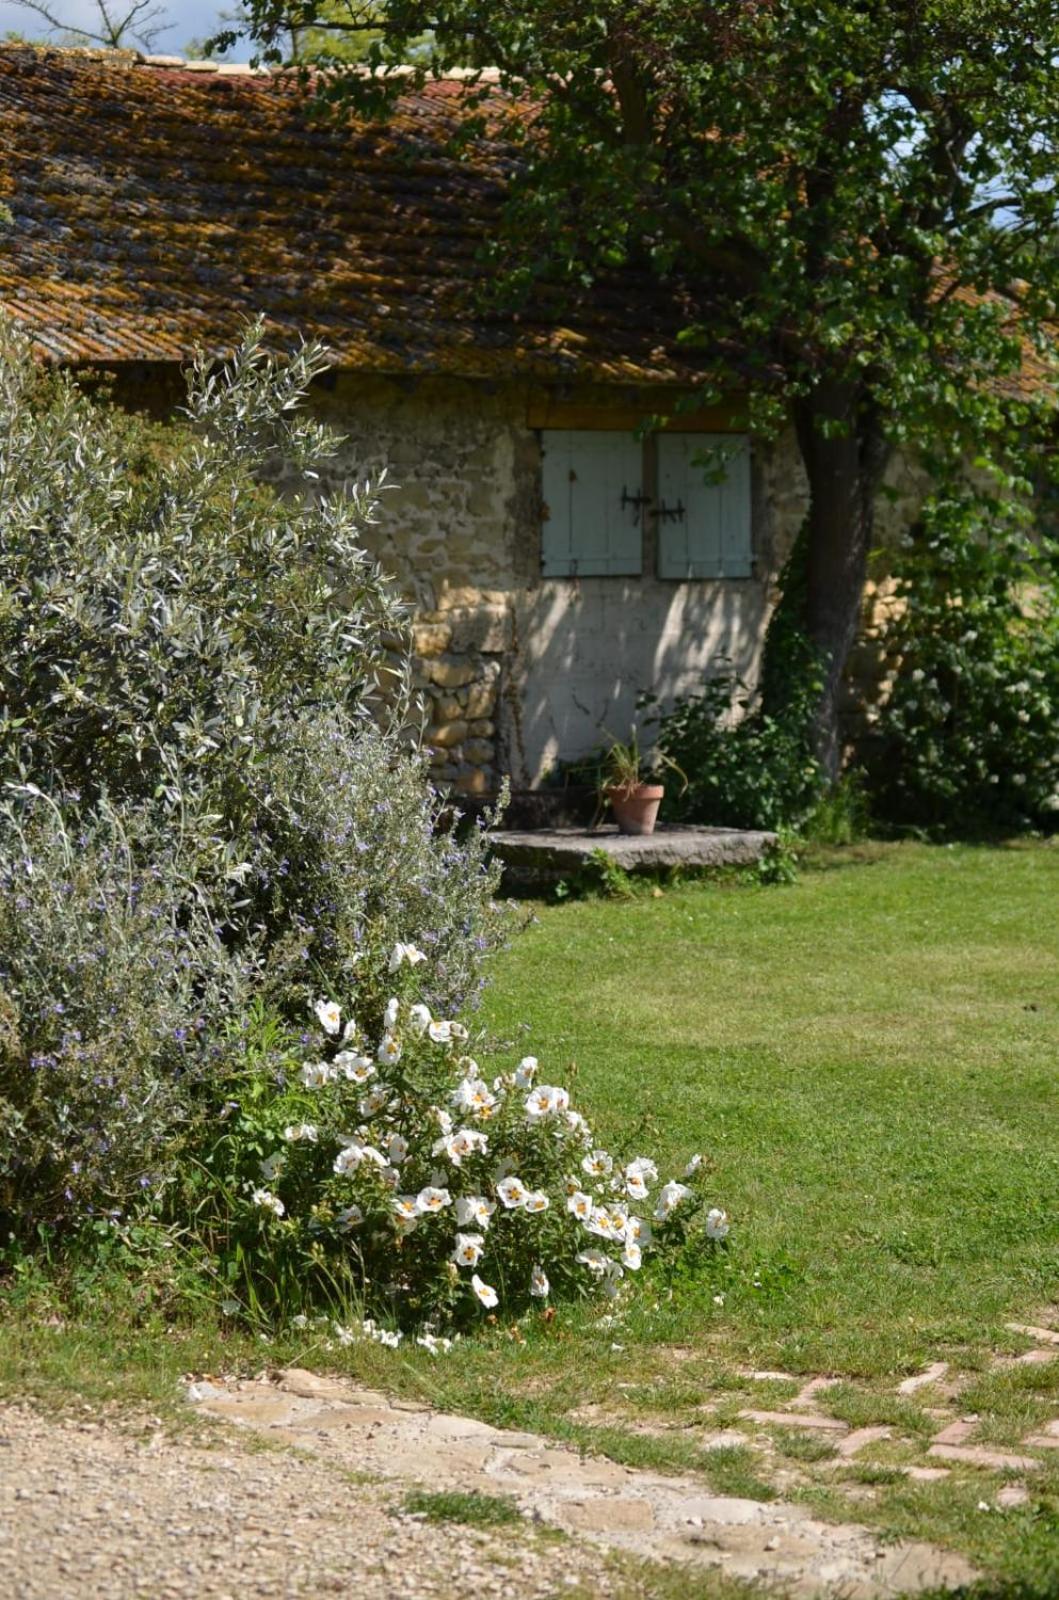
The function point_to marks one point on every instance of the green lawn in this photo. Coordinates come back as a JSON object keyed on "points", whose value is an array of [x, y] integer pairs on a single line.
{"points": [[870, 1061]]}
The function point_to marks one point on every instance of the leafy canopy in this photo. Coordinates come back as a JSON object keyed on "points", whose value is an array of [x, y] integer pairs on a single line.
{"points": [[835, 192]]}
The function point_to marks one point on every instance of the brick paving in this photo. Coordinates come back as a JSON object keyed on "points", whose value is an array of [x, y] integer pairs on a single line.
{"points": [[956, 1437]]}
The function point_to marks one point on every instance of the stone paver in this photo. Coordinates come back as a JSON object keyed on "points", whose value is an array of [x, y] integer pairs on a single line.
{"points": [[860, 1438], [643, 1513], [542, 855], [796, 1419], [92, 1510], [957, 1432], [1040, 1335], [936, 1370], [973, 1455]]}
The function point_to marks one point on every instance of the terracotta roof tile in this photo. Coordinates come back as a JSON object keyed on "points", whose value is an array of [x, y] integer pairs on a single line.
{"points": [[157, 208]]}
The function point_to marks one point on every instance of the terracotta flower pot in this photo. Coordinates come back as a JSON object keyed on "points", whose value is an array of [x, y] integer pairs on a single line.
{"points": [[635, 808]]}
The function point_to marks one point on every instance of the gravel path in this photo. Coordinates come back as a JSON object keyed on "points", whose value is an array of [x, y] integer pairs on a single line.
{"points": [[93, 1509]]}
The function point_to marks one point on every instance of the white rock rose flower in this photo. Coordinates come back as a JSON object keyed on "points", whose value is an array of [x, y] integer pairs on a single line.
{"points": [[473, 1095], [464, 1142], [419, 1019], [391, 1013], [301, 1132], [595, 1261], [376, 1100], [405, 954], [272, 1165], [348, 1218], [469, 1249], [601, 1223], [512, 1192], [353, 1067], [631, 1255], [397, 1149], [670, 1196], [717, 1224], [329, 1015], [597, 1164], [316, 1074], [474, 1208], [431, 1200], [485, 1292], [268, 1201], [612, 1276], [536, 1202], [580, 1205], [546, 1101], [525, 1072], [389, 1051], [539, 1285], [693, 1166], [440, 1032]]}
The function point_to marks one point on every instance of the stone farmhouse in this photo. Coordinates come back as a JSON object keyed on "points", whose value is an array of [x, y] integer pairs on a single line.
{"points": [[559, 561]]}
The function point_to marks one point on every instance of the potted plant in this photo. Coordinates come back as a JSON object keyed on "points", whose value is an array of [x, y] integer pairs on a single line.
{"points": [[630, 787]]}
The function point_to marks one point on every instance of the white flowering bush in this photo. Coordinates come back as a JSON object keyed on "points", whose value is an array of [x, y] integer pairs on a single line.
{"points": [[395, 1172], [968, 741]]}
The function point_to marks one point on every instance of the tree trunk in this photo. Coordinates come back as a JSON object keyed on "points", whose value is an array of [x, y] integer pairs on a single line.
{"points": [[845, 454]]}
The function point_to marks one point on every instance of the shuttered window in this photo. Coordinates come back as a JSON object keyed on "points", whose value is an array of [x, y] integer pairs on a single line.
{"points": [[703, 506], [592, 486]]}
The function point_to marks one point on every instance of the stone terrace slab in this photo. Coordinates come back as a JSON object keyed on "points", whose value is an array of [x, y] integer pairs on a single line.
{"points": [[544, 855]]}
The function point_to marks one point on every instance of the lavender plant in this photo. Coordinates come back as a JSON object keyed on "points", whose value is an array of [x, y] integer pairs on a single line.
{"points": [[115, 999]]}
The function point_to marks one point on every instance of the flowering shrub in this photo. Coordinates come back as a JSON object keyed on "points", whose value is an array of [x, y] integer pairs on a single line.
{"points": [[209, 682], [968, 739], [112, 1012], [395, 1172]]}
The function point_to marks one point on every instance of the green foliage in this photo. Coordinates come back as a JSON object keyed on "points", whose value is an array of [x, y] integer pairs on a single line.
{"points": [[802, 166], [115, 998], [967, 739], [182, 614], [202, 691], [173, 634], [747, 757], [841, 815], [745, 767]]}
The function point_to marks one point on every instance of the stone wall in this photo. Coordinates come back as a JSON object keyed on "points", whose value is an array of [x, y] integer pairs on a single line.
{"points": [[514, 670]]}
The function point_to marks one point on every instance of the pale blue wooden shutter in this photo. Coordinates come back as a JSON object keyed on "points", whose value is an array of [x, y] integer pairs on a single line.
{"points": [[592, 485], [704, 506]]}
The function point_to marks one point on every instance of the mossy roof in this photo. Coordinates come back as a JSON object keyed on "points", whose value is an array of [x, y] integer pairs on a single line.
{"points": [[156, 208]]}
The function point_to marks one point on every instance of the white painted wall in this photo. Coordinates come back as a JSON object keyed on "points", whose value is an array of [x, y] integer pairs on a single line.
{"points": [[586, 649]]}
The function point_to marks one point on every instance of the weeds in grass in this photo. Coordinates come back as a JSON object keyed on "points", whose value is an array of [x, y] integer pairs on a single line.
{"points": [[733, 1469], [798, 1446], [451, 1505]]}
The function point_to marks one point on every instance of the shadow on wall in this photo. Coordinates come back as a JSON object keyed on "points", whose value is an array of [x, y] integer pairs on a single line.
{"points": [[589, 648]]}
